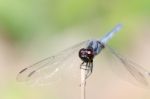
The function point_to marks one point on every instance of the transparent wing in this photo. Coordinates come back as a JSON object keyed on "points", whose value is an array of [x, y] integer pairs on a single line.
{"points": [[48, 69], [133, 70]]}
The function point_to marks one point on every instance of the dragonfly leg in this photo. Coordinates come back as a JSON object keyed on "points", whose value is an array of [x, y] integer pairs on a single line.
{"points": [[81, 66], [84, 67], [90, 69]]}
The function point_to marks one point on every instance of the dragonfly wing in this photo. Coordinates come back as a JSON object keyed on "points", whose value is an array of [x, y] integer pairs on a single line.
{"points": [[48, 69], [137, 72]]}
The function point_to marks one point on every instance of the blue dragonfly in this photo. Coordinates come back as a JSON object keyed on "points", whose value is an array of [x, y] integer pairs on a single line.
{"points": [[86, 51]]}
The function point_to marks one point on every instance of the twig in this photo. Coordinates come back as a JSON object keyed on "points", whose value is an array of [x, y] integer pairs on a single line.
{"points": [[83, 84]]}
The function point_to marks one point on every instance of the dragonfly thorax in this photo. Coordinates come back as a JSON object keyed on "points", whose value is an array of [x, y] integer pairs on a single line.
{"points": [[86, 55]]}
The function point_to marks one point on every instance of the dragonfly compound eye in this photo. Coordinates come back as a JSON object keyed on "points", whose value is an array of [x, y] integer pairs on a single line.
{"points": [[86, 55]]}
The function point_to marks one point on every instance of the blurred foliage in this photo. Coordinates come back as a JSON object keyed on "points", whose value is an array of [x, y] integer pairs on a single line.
{"points": [[26, 18]]}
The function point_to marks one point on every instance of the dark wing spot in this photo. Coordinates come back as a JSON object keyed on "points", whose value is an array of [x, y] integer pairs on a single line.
{"points": [[23, 70], [31, 73]]}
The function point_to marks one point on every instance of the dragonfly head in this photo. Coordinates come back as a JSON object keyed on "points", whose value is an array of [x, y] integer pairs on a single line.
{"points": [[86, 55]]}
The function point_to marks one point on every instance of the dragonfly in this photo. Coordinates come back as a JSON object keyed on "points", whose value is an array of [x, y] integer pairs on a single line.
{"points": [[85, 51]]}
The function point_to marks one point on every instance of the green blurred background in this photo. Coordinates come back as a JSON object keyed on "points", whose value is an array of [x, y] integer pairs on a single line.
{"points": [[34, 29]]}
